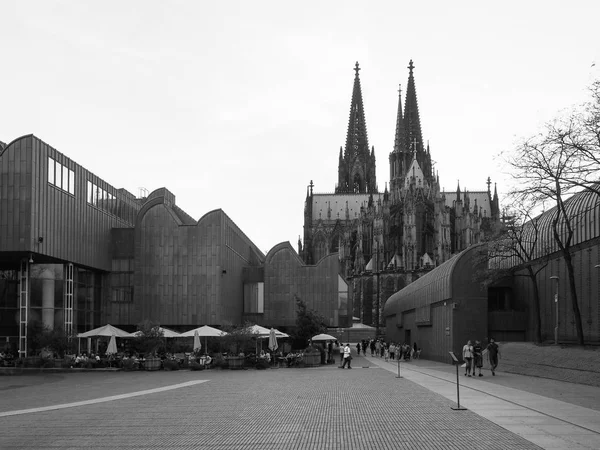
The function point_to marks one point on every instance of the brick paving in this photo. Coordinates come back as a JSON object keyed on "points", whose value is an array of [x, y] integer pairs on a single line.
{"points": [[322, 408]]}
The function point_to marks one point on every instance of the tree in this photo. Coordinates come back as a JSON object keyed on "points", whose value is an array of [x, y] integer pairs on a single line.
{"points": [[237, 339], [515, 246], [151, 337], [561, 160], [308, 322]]}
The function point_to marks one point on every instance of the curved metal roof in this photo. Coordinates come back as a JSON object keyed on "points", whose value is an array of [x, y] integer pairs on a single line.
{"points": [[432, 287], [583, 210]]}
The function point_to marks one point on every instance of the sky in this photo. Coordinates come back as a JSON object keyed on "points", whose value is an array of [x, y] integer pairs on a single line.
{"points": [[238, 105]]}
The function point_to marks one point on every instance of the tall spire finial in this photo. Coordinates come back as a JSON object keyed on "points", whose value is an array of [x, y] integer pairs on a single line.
{"points": [[410, 67], [356, 68]]}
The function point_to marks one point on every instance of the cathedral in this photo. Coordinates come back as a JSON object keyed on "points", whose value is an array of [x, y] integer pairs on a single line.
{"points": [[386, 240]]}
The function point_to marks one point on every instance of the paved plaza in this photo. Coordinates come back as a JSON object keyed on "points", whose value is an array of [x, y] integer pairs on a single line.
{"points": [[368, 407]]}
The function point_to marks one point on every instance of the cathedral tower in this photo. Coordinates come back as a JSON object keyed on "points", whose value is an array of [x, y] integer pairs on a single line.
{"points": [[356, 169]]}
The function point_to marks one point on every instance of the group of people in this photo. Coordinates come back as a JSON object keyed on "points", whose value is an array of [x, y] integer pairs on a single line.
{"points": [[473, 356], [392, 350]]}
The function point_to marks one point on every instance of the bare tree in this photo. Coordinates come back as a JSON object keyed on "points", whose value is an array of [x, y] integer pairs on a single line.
{"points": [[541, 167], [514, 248]]}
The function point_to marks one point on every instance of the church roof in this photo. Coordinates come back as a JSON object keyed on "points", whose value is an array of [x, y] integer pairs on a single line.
{"points": [[322, 203], [482, 197]]}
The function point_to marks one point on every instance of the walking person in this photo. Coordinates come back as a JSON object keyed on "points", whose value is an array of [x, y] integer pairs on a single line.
{"points": [[477, 357], [372, 346], [347, 357], [468, 357], [493, 355], [358, 348]]}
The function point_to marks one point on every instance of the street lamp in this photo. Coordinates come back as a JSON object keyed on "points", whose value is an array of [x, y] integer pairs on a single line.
{"points": [[556, 302]]}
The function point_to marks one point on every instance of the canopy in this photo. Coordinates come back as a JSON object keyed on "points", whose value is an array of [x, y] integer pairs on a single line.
{"points": [[106, 330], [166, 333], [264, 332], [204, 331], [323, 337]]}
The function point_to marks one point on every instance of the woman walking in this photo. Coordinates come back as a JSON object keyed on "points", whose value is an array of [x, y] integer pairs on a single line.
{"points": [[468, 357]]}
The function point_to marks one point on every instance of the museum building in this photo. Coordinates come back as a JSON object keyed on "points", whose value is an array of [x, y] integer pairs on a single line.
{"points": [[77, 253]]}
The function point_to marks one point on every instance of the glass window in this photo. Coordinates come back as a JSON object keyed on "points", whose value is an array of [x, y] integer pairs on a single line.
{"points": [[90, 192], [71, 182], [65, 178], [50, 170]]}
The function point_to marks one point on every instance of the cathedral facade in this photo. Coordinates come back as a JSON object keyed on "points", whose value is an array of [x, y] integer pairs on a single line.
{"points": [[386, 240]]}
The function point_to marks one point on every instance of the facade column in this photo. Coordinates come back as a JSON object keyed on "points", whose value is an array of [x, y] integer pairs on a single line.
{"points": [[48, 285]]}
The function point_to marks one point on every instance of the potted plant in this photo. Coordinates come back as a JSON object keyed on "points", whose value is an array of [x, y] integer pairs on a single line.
{"points": [[149, 341], [311, 356]]}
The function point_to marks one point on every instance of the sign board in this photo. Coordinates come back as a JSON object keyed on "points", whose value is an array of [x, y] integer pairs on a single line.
{"points": [[454, 358]]}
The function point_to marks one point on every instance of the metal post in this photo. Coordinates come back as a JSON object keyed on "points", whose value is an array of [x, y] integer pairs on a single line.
{"points": [[398, 369], [456, 363], [556, 302], [377, 310]]}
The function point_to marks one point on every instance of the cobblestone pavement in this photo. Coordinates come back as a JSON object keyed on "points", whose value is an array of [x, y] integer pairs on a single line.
{"points": [[311, 408], [550, 413]]}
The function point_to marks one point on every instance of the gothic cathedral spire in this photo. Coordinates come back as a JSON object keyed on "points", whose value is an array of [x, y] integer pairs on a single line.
{"points": [[356, 171], [413, 135]]}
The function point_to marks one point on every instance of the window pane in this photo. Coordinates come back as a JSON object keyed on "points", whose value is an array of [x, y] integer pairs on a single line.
{"points": [[71, 182], [90, 192], [65, 178], [50, 170]]}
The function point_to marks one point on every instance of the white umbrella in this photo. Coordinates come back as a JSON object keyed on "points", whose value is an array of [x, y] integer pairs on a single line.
{"points": [[106, 330], [265, 332], [323, 337], [112, 346], [205, 331], [273, 340], [166, 333], [197, 344]]}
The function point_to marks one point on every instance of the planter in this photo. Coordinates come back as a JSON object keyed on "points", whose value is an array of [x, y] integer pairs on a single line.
{"points": [[152, 363], [196, 366], [236, 362], [311, 359]]}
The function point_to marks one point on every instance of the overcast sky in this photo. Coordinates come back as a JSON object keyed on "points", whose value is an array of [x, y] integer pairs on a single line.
{"points": [[239, 105]]}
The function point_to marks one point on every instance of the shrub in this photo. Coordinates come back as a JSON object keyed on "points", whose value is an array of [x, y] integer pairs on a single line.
{"points": [[196, 365], [47, 363], [261, 364], [170, 364], [128, 364]]}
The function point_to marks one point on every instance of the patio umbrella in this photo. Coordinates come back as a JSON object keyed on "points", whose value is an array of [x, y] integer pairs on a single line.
{"points": [[106, 330], [112, 346], [197, 344], [265, 332], [166, 333], [323, 337], [273, 340], [205, 331]]}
